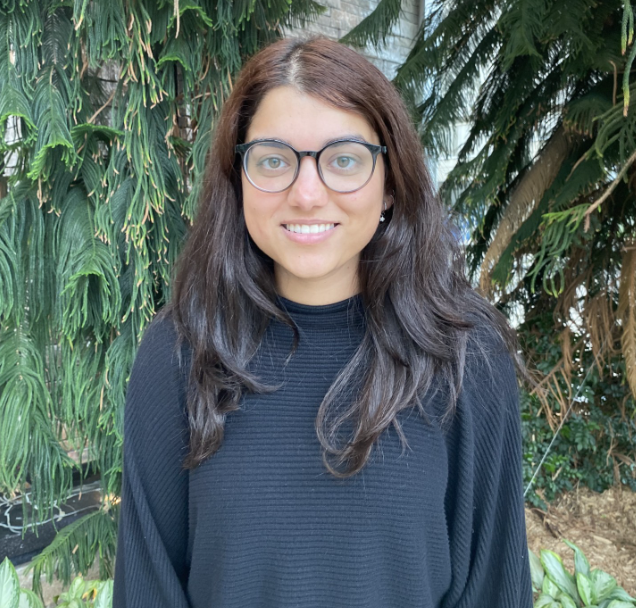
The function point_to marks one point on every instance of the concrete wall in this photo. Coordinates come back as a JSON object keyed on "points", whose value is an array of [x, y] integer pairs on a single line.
{"points": [[342, 15]]}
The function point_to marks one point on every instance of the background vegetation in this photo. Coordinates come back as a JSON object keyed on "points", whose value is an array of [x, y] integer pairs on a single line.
{"points": [[106, 110]]}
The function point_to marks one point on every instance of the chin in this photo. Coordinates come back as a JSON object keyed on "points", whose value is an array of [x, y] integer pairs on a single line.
{"points": [[308, 272], [308, 275]]}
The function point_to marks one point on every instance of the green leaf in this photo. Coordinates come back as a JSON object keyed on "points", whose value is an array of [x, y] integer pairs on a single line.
{"points": [[103, 133], [620, 594], [76, 590], [9, 585], [91, 534], [191, 5], [602, 585], [90, 588], [567, 601], [104, 598], [584, 586], [580, 561], [556, 571], [14, 103], [536, 571], [620, 604], [177, 50], [51, 117], [546, 601], [376, 26], [550, 588], [28, 599]]}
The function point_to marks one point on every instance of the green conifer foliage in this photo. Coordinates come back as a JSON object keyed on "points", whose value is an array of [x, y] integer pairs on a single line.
{"points": [[546, 180], [106, 111]]}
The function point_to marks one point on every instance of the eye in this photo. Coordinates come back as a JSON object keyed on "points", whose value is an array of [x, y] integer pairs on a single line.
{"points": [[344, 162], [272, 163]]}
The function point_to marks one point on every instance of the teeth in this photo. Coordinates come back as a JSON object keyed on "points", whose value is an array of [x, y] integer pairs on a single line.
{"points": [[309, 229]]}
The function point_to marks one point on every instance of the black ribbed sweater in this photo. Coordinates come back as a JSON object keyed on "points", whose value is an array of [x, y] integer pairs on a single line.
{"points": [[262, 524]]}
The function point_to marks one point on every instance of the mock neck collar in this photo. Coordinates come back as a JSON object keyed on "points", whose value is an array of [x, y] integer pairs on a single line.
{"points": [[343, 313]]}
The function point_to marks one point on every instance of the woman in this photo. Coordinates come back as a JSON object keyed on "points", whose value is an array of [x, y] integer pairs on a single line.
{"points": [[326, 414]]}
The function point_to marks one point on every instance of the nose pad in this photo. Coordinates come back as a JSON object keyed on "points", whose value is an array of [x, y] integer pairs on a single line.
{"points": [[308, 189], [309, 164]]}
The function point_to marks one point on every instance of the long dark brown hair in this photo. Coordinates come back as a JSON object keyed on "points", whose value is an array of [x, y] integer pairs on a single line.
{"points": [[418, 306]]}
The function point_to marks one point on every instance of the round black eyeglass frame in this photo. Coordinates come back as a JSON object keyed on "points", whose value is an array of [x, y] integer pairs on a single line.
{"points": [[242, 149]]}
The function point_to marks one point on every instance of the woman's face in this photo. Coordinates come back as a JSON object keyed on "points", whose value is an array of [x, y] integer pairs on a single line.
{"points": [[312, 268]]}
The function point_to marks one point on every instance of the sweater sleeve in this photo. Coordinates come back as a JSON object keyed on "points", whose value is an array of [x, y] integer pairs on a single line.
{"points": [[151, 564], [485, 507]]}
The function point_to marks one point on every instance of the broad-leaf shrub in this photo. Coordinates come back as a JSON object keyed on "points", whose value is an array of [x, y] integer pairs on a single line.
{"points": [[81, 593], [586, 588]]}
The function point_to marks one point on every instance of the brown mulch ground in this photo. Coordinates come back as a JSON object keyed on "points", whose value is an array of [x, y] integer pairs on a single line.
{"points": [[603, 526]]}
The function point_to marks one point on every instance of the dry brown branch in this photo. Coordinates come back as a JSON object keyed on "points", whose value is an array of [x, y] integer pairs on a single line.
{"points": [[544, 389], [577, 272], [523, 199], [627, 313], [557, 393], [94, 116], [177, 16], [600, 322], [549, 387], [566, 350]]}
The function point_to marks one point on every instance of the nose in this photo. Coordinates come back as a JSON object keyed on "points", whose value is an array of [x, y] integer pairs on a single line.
{"points": [[308, 190]]}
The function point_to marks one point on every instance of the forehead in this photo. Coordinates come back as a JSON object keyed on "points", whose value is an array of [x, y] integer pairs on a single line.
{"points": [[304, 121]]}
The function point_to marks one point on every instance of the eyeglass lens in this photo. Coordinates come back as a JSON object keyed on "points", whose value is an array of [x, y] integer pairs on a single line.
{"points": [[344, 166]]}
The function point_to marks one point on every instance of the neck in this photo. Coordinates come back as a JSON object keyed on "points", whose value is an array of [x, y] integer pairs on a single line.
{"points": [[316, 292]]}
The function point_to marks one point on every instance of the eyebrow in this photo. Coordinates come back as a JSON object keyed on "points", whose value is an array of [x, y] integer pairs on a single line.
{"points": [[354, 136]]}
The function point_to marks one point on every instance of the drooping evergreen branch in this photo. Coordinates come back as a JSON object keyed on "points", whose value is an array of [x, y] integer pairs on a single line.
{"points": [[376, 26], [106, 114], [519, 74]]}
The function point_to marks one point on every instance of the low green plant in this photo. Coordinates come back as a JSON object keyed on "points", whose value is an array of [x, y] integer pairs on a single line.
{"points": [[586, 588], [81, 593]]}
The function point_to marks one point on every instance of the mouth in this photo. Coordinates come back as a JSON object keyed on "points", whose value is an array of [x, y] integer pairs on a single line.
{"points": [[309, 228]]}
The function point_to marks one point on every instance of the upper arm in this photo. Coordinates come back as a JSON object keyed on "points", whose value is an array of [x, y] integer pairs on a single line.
{"points": [[153, 532], [485, 501]]}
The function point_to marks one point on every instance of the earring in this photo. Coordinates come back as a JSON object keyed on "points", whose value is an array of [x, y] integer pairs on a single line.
{"points": [[382, 218]]}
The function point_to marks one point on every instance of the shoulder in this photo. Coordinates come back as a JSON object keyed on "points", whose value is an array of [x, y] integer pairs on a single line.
{"points": [[160, 333], [157, 374], [161, 347], [489, 385], [488, 356], [156, 349], [486, 416], [155, 414]]}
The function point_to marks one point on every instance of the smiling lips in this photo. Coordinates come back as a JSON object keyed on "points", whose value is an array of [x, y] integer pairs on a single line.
{"points": [[309, 233], [308, 228]]}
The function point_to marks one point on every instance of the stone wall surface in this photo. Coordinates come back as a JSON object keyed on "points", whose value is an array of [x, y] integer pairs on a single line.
{"points": [[342, 15]]}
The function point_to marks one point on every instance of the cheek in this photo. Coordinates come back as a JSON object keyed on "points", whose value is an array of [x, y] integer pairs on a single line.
{"points": [[366, 209], [252, 221], [369, 215], [257, 211]]}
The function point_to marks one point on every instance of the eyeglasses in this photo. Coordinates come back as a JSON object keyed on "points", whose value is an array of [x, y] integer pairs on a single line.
{"points": [[343, 166]]}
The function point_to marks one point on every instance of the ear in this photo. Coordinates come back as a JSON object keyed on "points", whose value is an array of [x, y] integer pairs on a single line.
{"points": [[389, 199]]}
